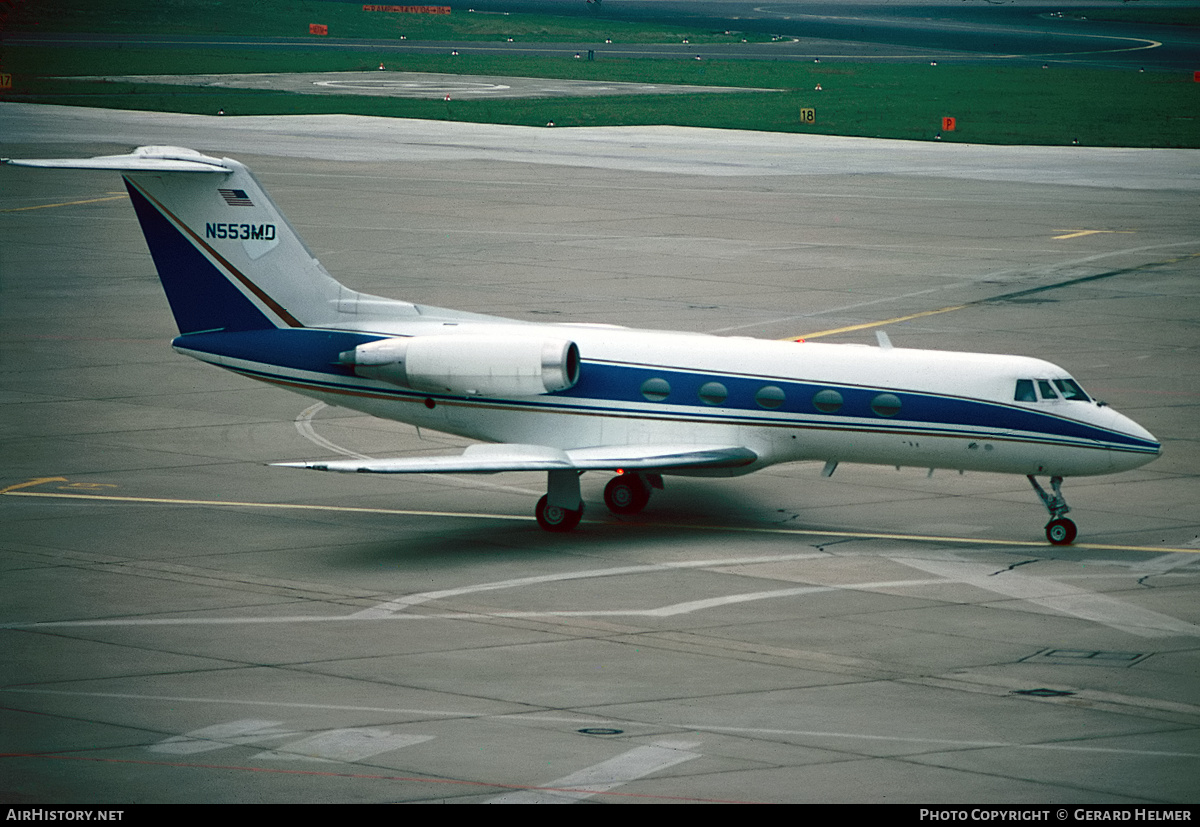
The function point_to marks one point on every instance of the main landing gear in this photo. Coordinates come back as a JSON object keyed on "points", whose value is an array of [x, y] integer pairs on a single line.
{"points": [[562, 507], [1059, 531], [627, 494], [556, 518]]}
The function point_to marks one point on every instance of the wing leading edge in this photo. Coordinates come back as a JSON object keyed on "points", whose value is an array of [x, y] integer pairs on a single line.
{"points": [[492, 459]]}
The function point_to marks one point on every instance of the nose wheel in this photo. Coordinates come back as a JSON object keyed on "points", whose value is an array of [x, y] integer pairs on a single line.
{"points": [[1059, 531]]}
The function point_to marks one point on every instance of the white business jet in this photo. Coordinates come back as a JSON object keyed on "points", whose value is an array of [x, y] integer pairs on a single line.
{"points": [[250, 297]]}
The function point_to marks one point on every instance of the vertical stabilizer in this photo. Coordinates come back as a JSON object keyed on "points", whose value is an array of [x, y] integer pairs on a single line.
{"points": [[227, 258]]}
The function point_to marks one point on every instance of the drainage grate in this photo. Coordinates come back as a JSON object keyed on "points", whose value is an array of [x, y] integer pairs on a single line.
{"points": [[1088, 657]]}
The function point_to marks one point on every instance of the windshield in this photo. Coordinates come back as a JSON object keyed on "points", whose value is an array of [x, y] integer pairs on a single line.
{"points": [[1033, 390]]}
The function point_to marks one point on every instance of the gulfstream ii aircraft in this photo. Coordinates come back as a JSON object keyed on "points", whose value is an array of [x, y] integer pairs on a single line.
{"points": [[249, 296]]}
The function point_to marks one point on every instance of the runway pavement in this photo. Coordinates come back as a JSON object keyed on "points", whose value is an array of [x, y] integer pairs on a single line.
{"points": [[425, 85], [182, 623]]}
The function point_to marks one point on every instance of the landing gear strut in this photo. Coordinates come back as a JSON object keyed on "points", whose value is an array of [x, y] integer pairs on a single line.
{"points": [[1059, 531], [562, 506]]}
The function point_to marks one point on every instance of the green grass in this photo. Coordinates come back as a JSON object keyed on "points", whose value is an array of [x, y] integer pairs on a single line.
{"points": [[291, 18], [991, 104]]}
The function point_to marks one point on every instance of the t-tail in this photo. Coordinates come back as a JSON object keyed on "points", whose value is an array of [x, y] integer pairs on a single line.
{"points": [[228, 259]]}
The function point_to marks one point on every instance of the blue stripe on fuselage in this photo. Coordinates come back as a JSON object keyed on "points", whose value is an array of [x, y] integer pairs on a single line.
{"points": [[316, 351], [623, 383]]}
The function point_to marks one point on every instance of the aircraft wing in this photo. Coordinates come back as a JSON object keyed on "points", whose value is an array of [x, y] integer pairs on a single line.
{"points": [[491, 459]]}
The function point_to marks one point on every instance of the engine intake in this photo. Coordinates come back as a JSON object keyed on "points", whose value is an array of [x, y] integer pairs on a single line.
{"points": [[470, 364]]}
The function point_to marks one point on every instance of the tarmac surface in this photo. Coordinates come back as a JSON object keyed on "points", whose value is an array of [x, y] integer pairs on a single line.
{"points": [[426, 85], [182, 623]]}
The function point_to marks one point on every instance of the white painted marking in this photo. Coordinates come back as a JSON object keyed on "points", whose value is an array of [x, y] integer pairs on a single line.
{"points": [[710, 603], [602, 777], [434, 86], [1165, 563], [304, 426], [220, 736], [391, 607], [175, 699], [686, 726], [1060, 597], [343, 745], [1052, 594], [394, 613]]}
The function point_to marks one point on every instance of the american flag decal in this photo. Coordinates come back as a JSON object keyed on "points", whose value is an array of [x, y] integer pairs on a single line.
{"points": [[236, 198]]}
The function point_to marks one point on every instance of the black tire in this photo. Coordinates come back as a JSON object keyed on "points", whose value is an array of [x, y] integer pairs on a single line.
{"points": [[552, 518], [1061, 532], [626, 494]]}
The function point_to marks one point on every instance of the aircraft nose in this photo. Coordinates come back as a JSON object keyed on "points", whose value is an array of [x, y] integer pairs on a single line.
{"points": [[1146, 447], [1136, 431]]}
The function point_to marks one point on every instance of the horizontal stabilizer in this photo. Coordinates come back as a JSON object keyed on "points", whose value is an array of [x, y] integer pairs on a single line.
{"points": [[491, 459], [143, 159]]}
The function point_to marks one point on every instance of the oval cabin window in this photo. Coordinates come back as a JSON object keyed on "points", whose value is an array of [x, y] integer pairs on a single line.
{"points": [[769, 397], [656, 390], [713, 393], [886, 404], [827, 401]]}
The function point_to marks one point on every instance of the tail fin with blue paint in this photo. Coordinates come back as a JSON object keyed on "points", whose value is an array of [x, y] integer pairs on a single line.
{"points": [[228, 259]]}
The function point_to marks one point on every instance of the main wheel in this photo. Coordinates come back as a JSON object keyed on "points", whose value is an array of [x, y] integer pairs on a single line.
{"points": [[626, 494], [553, 518], [1061, 532]]}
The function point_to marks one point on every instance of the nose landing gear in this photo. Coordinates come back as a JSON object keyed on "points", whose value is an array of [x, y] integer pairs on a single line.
{"points": [[1059, 531]]}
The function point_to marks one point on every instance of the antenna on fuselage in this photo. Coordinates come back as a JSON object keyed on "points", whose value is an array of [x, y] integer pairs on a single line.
{"points": [[884, 342]]}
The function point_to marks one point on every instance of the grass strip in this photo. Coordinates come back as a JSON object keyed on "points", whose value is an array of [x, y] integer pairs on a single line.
{"points": [[989, 104]]}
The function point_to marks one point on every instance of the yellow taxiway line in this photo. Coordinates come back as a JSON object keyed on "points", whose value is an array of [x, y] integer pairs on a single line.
{"points": [[18, 491], [68, 203], [868, 325]]}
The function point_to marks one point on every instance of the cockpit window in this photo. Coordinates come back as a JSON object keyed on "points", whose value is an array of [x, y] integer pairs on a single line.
{"points": [[1030, 390], [1070, 389]]}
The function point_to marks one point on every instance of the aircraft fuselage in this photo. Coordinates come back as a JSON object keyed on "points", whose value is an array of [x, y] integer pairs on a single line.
{"points": [[798, 401]]}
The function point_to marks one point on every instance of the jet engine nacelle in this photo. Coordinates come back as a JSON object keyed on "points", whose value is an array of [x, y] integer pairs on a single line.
{"points": [[470, 364]]}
